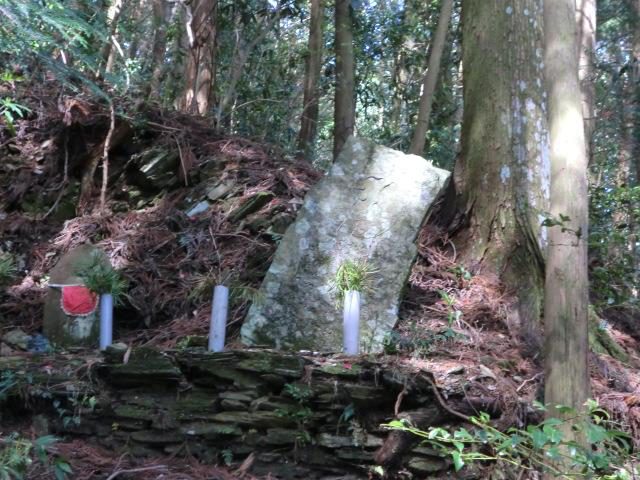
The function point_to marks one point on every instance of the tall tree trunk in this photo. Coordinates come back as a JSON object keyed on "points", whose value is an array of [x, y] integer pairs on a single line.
{"points": [[161, 15], [113, 16], [431, 79], [566, 284], [309, 122], [636, 94], [344, 115], [501, 177], [400, 72], [199, 74], [242, 51], [633, 240], [586, 29]]}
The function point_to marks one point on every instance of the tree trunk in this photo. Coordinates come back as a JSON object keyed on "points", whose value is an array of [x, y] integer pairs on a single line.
{"points": [[199, 74], [586, 26], [309, 123], [566, 286], [501, 178], [242, 51], [161, 15], [633, 240], [400, 72], [344, 115], [113, 16], [636, 57], [430, 79]]}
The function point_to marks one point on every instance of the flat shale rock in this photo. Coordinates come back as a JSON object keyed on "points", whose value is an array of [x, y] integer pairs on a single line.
{"points": [[370, 206]]}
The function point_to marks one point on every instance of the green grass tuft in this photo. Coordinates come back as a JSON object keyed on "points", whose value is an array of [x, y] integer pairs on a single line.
{"points": [[352, 275], [100, 277], [7, 267]]}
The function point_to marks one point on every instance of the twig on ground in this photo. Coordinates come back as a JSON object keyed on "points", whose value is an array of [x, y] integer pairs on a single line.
{"points": [[136, 470], [529, 380]]}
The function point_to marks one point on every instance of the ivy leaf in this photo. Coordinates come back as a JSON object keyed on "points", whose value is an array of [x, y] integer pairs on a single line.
{"points": [[596, 433], [554, 435], [538, 437], [458, 463]]}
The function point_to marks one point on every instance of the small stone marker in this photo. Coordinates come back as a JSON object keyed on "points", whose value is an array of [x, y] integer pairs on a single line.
{"points": [[370, 206], [65, 330]]}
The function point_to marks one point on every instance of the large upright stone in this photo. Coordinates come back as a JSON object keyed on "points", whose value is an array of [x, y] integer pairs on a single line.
{"points": [[370, 206], [66, 330]]}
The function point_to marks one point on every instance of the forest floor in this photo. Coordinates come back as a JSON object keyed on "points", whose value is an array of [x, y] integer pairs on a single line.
{"points": [[213, 211]]}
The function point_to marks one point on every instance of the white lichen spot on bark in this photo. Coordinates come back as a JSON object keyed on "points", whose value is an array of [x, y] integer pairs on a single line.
{"points": [[505, 173]]}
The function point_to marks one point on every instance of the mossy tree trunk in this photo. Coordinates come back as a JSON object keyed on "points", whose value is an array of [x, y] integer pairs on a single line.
{"points": [[566, 286], [501, 178], [161, 16], [430, 79], [345, 104], [310, 109]]}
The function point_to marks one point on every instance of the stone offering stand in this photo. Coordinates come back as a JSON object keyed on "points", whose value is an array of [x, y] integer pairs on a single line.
{"points": [[298, 416]]}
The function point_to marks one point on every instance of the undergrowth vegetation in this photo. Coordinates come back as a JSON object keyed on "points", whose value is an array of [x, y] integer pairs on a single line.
{"points": [[607, 453]]}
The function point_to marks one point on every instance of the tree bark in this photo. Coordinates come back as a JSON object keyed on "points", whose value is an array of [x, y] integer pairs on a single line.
{"points": [[501, 177], [345, 106], [566, 286], [113, 16], [635, 81], [309, 122], [242, 51], [430, 79], [161, 15], [199, 74], [586, 27]]}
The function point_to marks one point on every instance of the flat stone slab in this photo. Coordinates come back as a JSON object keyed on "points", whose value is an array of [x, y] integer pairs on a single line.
{"points": [[370, 206]]}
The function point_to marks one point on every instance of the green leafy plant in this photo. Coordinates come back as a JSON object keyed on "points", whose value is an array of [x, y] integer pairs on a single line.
{"points": [[352, 276], [18, 454], [560, 221], [100, 277], [10, 111], [227, 456], [7, 382], [538, 447], [7, 267], [301, 414], [461, 272], [453, 314]]}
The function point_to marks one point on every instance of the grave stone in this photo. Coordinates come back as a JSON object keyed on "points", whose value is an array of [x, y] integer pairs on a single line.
{"points": [[370, 206], [66, 330]]}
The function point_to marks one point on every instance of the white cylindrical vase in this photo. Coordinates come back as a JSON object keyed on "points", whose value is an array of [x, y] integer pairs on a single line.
{"points": [[351, 325], [218, 326], [106, 320]]}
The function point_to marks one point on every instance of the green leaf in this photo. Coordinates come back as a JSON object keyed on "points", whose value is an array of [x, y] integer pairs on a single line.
{"points": [[463, 434], [458, 463], [396, 424], [565, 410], [554, 435], [596, 433], [538, 437]]}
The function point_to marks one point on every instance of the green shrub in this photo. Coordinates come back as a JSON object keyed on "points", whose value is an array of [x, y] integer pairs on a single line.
{"points": [[605, 455]]}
